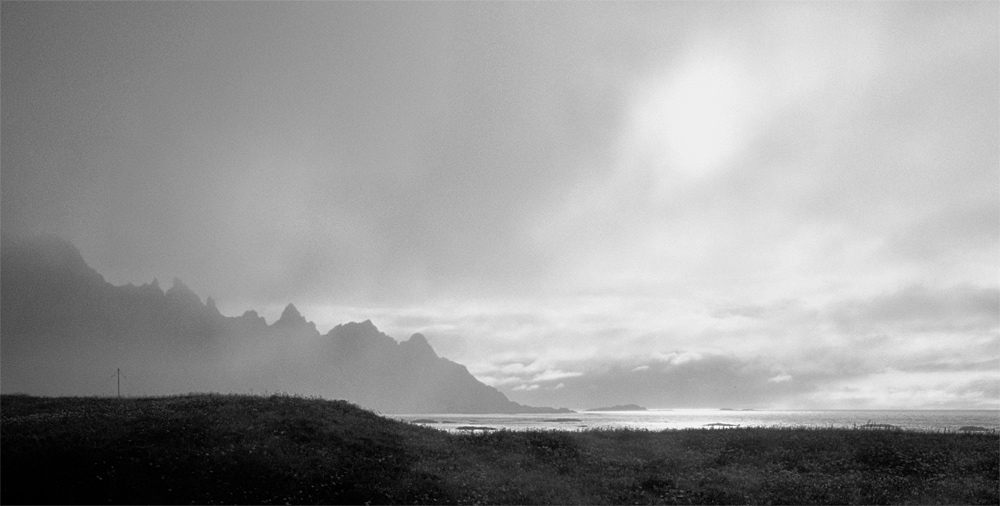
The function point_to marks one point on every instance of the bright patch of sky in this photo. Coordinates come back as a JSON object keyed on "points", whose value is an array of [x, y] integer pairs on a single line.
{"points": [[677, 204]]}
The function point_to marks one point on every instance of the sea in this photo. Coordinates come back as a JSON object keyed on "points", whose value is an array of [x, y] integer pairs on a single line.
{"points": [[662, 419]]}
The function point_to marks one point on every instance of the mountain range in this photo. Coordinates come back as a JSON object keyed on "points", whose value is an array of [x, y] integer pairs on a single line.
{"points": [[64, 330]]}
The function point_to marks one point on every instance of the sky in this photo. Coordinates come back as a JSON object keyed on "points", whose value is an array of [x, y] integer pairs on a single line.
{"points": [[788, 205]]}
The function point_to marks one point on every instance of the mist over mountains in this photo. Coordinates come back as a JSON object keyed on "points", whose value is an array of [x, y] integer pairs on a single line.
{"points": [[64, 330]]}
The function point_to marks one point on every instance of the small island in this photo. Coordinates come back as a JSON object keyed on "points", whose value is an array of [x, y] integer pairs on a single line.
{"points": [[622, 407]]}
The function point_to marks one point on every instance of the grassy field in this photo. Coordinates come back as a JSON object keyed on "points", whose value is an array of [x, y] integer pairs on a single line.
{"points": [[208, 449]]}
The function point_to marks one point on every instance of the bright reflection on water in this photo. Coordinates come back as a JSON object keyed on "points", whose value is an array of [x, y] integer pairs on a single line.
{"points": [[923, 420]]}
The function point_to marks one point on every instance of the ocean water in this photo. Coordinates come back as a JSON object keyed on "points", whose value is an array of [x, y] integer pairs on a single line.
{"points": [[920, 420]]}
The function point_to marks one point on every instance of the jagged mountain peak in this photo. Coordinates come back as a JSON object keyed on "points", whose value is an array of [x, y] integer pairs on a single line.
{"points": [[211, 305], [291, 313], [417, 344], [183, 293], [418, 338], [56, 307], [292, 318], [367, 324], [356, 328], [46, 252], [255, 319], [363, 335]]}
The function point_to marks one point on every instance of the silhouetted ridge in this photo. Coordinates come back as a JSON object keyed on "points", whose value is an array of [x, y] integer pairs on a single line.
{"points": [[417, 346], [49, 292], [357, 328], [64, 326], [181, 294], [361, 340], [210, 304], [359, 332], [291, 318], [148, 290], [251, 322], [620, 407], [291, 314], [47, 255]]}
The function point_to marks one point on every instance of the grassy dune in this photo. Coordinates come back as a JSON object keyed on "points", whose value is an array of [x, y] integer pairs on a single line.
{"points": [[208, 449]]}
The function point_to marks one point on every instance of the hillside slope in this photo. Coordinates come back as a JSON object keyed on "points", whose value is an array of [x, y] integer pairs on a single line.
{"points": [[65, 331], [213, 449]]}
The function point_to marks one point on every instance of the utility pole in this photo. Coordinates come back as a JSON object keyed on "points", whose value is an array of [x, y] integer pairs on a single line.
{"points": [[118, 375]]}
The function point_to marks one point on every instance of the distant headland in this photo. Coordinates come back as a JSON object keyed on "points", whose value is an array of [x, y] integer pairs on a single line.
{"points": [[621, 407]]}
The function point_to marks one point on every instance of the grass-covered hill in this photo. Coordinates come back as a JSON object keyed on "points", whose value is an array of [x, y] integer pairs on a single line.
{"points": [[208, 449]]}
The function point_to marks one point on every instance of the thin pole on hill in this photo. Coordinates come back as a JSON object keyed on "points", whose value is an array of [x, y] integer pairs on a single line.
{"points": [[118, 375]]}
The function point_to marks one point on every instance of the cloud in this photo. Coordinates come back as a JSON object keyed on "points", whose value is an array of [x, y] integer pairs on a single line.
{"points": [[677, 358], [554, 374], [697, 195], [715, 381], [722, 380], [807, 199], [958, 364], [903, 390], [917, 308], [569, 342]]}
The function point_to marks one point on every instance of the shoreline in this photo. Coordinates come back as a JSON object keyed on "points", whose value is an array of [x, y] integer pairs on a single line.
{"points": [[283, 449]]}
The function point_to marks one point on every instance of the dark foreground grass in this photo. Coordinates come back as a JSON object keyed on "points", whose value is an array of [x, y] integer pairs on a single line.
{"points": [[208, 449]]}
